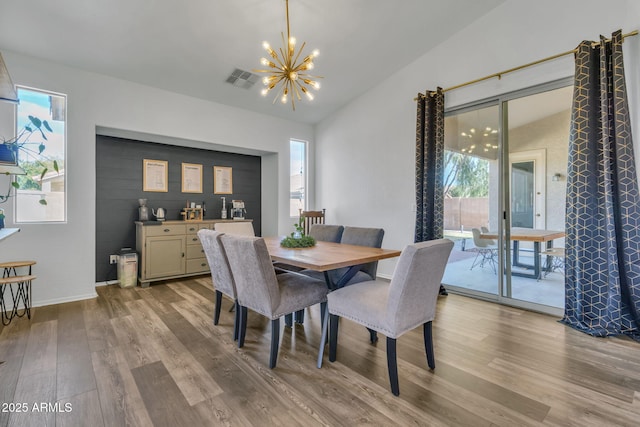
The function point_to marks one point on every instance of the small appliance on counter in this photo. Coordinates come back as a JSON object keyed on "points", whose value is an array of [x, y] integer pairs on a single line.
{"points": [[224, 208], [237, 209], [143, 210], [159, 214]]}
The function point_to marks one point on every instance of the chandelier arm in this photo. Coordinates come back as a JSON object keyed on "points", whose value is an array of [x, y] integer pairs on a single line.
{"points": [[295, 85], [295, 60]]}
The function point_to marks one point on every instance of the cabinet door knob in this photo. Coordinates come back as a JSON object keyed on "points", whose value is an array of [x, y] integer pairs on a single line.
{"points": [[166, 230]]}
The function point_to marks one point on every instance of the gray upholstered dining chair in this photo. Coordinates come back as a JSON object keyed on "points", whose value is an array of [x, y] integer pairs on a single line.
{"points": [[395, 308], [360, 236], [260, 289], [243, 228], [220, 273]]}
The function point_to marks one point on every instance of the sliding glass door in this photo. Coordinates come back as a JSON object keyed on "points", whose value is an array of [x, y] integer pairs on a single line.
{"points": [[505, 184], [471, 198]]}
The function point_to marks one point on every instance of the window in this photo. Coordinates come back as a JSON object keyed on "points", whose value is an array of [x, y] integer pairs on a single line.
{"points": [[41, 196], [297, 177]]}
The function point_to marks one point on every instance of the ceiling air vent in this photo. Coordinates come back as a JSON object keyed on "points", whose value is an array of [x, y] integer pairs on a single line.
{"points": [[242, 79]]}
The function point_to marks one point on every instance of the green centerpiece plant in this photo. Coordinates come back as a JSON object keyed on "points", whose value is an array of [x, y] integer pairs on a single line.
{"points": [[298, 239]]}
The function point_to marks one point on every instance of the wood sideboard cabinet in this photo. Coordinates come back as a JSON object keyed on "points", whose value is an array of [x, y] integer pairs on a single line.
{"points": [[171, 249]]}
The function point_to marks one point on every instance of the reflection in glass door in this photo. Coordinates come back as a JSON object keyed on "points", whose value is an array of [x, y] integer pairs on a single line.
{"points": [[471, 198], [538, 140]]}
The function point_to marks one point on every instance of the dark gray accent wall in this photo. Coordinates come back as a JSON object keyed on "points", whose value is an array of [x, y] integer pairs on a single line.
{"points": [[119, 186]]}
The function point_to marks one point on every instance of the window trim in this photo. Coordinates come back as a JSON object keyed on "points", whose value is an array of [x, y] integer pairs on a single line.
{"points": [[66, 122]]}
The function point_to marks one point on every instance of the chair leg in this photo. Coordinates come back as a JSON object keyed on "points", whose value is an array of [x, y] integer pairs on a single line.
{"points": [[324, 318], [236, 321], [373, 336], [333, 336], [392, 364], [288, 320], [275, 342], [428, 345], [216, 311], [300, 316], [323, 311], [243, 326]]}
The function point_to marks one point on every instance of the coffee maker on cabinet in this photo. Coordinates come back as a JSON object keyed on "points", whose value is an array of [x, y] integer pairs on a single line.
{"points": [[237, 209]]}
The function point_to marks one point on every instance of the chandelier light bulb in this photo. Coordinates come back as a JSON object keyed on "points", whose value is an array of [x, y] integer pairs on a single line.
{"points": [[284, 98], [293, 75], [266, 46], [264, 61], [315, 53], [264, 91], [292, 41]]}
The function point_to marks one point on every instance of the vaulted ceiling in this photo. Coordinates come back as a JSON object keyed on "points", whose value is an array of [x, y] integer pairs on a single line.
{"points": [[192, 46]]}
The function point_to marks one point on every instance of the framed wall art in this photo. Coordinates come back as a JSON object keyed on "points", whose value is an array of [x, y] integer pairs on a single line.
{"points": [[191, 178], [222, 180], [155, 175]]}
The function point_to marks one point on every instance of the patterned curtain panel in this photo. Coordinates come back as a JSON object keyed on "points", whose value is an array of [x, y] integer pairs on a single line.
{"points": [[429, 166], [602, 265]]}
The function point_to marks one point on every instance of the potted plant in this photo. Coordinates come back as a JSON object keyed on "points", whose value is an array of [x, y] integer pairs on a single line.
{"points": [[31, 142], [298, 239]]}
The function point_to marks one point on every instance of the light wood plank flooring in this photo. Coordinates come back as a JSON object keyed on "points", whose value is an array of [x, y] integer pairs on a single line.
{"points": [[153, 357]]}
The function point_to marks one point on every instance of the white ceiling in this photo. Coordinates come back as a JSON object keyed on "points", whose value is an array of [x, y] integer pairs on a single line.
{"points": [[192, 46]]}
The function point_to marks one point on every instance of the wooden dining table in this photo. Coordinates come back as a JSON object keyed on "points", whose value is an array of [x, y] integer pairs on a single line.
{"points": [[325, 257], [537, 236]]}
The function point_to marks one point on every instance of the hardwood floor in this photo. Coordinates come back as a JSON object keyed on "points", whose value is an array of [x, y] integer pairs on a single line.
{"points": [[153, 357]]}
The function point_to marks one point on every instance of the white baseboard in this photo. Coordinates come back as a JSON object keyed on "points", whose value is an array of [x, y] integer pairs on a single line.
{"points": [[107, 283], [63, 300]]}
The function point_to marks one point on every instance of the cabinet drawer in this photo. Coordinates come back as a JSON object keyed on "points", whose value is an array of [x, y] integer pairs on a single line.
{"points": [[192, 228], [199, 265], [193, 239], [165, 230], [195, 251]]}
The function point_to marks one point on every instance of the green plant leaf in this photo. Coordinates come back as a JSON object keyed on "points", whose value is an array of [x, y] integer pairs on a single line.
{"points": [[15, 185], [303, 242], [41, 148], [28, 128], [55, 166], [43, 135], [43, 202], [46, 126], [36, 121], [43, 172]]}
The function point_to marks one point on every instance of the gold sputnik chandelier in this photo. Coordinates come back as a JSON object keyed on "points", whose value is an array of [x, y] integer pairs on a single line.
{"points": [[285, 72]]}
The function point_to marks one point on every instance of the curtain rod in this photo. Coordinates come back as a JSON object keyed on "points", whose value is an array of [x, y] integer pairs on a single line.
{"points": [[510, 70]]}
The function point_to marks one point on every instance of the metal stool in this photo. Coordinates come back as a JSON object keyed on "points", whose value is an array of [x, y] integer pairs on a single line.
{"points": [[22, 293]]}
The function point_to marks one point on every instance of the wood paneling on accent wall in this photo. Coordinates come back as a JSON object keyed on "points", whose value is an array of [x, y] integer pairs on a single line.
{"points": [[119, 186]]}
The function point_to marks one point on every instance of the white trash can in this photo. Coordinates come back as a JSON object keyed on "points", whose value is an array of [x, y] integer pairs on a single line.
{"points": [[127, 269]]}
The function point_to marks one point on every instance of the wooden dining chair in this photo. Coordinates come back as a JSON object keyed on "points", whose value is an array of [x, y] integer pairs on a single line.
{"points": [[395, 308], [260, 289], [310, 218], [220, 274]]}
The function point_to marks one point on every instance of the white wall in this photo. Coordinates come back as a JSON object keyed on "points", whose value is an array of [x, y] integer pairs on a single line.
{"points": [[65, 252], [370, 143]]}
